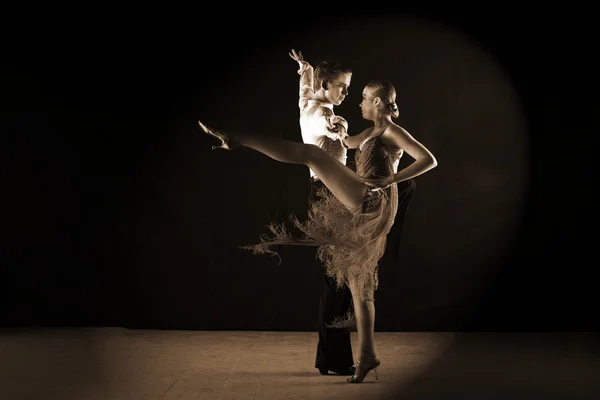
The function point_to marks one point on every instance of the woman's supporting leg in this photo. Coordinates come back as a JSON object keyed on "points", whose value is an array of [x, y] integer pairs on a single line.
{"points": [[364, 311], [344, 183]]}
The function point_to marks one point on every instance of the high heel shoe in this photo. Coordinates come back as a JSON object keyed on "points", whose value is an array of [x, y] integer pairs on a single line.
{"points": [[226, 142], [363, 370]]}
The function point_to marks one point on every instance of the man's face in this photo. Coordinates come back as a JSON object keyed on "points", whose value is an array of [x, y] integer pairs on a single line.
{"points": [[337, 89]]}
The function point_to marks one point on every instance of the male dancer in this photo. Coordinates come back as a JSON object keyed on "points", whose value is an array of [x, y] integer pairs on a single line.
{"points": [[320, 90]]}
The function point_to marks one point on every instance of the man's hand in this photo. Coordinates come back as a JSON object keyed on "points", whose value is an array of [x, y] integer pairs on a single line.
{"points": [[300, 59]]}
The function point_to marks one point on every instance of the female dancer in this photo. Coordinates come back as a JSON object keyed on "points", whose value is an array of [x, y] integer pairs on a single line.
{"points": [[351, 221]]}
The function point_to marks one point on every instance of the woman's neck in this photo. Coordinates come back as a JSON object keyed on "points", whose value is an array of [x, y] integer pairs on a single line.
{"points": [[382, 122]]}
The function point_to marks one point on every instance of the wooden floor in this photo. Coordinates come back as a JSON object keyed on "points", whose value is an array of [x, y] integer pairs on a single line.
{"points": [[116, 363]]}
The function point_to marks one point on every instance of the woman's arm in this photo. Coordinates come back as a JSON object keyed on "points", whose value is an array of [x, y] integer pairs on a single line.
{"points": [[352, 142], [424, 159], [339, 126]]}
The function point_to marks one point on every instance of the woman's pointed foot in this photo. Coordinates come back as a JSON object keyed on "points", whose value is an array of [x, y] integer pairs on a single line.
{"points": [[225, 142], [363, 369]]}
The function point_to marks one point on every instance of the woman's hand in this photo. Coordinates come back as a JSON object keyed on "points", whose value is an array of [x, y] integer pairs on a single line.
{"points": [[378, 182], [335, 122], [339, 125], [300, 59], [343, 137]]}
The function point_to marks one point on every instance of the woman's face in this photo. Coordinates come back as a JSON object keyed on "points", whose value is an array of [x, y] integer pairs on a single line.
{"points": [[367, 105]]}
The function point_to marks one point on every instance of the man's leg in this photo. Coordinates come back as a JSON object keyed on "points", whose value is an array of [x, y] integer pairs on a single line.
{"points": [[406, 191], [334, 349]]}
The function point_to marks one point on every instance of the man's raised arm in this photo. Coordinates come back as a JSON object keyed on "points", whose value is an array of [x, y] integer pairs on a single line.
{"points": [[305, 71]]}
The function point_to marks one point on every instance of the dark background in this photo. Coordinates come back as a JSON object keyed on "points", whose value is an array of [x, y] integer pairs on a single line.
{"points": [[116, 213]]}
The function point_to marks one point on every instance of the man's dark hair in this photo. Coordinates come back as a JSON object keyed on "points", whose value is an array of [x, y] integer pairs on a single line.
{"points": [[327, 71]]}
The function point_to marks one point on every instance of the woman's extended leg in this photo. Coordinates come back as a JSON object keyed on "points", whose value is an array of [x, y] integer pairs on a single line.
{"points": [[344, 183]]}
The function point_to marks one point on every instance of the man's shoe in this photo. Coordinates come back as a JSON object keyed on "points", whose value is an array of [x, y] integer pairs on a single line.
{"points": [[345, 372]]}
